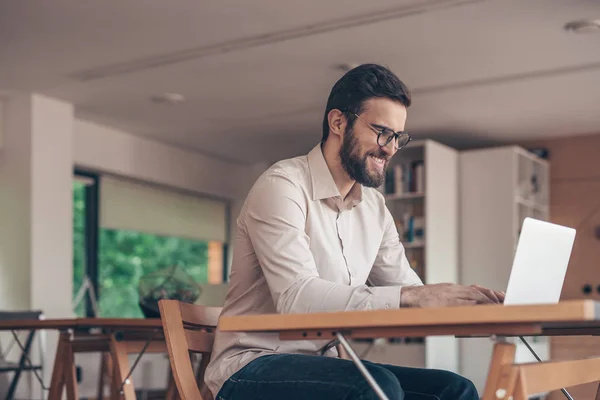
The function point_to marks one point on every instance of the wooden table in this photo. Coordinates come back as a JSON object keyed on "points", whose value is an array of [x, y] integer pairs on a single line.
{"points": [[115, 336], [505, 379]]}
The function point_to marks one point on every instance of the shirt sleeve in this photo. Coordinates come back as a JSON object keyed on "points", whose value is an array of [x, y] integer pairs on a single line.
{"points": [[391, 266], [276, 212]]}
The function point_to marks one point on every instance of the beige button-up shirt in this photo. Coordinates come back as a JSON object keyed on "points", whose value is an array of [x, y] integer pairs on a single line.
{"points": [[301, 248]]}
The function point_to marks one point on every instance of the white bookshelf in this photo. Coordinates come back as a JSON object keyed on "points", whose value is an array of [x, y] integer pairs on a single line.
{"points": [[434, 254], [499, 188]]}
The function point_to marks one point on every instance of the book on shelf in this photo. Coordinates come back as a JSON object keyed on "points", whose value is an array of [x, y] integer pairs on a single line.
{"points": [[411, 228], [407, 177]]}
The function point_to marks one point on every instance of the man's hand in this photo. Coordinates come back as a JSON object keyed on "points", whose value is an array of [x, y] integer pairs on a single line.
{"points": [[448, 294]]}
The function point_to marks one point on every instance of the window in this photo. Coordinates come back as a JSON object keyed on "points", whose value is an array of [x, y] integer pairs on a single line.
{"points": [[126, 256], [143, 229]]}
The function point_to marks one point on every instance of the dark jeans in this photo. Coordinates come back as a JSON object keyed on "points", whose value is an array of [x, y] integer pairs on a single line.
{"points": [[303, 377]]}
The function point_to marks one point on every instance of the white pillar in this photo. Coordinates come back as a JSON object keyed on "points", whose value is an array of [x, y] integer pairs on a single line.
{"points": [[36, 245]]}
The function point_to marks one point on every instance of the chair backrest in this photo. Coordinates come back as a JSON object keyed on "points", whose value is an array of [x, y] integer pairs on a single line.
{"points": [[189, 328]]}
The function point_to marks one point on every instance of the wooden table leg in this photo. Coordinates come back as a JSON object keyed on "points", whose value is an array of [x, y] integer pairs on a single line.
{"points": [[105, 376], [70, 373], [503, 357], [520, 392], [114, 385], [58, 372], [121, 368], [101, 376], [506, 382]]}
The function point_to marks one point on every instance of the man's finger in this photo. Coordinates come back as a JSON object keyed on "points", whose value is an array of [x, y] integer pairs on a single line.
{"points": [[462, 302], [472, 293], [501, 296], [489, 293], [492, 295], [496, 296]]}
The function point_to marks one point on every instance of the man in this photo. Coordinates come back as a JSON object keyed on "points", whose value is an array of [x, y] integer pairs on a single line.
{"points": [[314, 235]]}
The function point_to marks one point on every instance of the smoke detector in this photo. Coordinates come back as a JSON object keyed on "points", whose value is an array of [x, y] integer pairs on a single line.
{"points": [[584, 26]]}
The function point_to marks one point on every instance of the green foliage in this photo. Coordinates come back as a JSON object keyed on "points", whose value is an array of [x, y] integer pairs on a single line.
{"points": [[125, 256]]}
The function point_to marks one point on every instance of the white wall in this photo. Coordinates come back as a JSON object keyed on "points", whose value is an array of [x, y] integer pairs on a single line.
{"points": [[51, 207], [15, 202], [243, 186]]}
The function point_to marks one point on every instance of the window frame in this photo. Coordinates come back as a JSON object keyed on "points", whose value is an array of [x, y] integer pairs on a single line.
{"points": [[92, 230]]}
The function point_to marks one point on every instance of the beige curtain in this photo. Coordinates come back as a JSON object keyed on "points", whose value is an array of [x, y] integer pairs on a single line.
{"points": [[138, 207]]}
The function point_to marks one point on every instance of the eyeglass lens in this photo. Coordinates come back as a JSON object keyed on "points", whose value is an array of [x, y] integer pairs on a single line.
{"points": [[387, 135]]}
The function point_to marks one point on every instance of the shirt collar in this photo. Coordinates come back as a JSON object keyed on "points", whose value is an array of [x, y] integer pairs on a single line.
{"points": [[323, 185]]}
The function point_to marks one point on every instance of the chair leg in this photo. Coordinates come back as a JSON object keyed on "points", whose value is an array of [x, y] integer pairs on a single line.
{"points": [[204, 392], [172, 393], [598, 393]]}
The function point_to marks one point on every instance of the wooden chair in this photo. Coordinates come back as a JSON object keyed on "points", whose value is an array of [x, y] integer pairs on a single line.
{"points": [[189, 329]]}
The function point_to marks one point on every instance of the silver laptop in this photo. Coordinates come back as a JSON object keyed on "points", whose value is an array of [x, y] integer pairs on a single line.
{"points": [[540, 263]]}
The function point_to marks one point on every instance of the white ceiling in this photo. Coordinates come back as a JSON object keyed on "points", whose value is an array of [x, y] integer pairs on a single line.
{"points": [[256, 74]]}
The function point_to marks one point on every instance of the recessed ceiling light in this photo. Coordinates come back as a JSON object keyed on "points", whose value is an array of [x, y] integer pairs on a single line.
{"points": [[168, 98], [584, 26]]}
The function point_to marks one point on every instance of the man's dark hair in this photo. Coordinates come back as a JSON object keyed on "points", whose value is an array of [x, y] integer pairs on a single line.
{"points": [[360, 84]]}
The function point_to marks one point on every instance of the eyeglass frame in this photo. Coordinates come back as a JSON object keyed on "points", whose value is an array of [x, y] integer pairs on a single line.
{"points": [[395, 135]]}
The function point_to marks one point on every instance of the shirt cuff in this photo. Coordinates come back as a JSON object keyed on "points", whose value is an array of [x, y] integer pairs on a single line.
{"points": [[386, 297]]}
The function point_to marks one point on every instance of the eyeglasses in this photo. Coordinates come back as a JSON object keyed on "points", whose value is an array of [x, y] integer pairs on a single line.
{"points": [[385, 135]]}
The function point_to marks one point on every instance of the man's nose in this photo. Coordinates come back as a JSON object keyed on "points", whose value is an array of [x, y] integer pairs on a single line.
{"points": [[389, 149]]}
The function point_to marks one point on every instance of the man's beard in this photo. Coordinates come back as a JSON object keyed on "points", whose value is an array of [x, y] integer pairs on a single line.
{"points": [[355, 165]]}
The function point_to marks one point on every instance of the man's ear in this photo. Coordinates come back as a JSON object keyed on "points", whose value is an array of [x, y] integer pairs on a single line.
{"points": [[337, 122]]}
